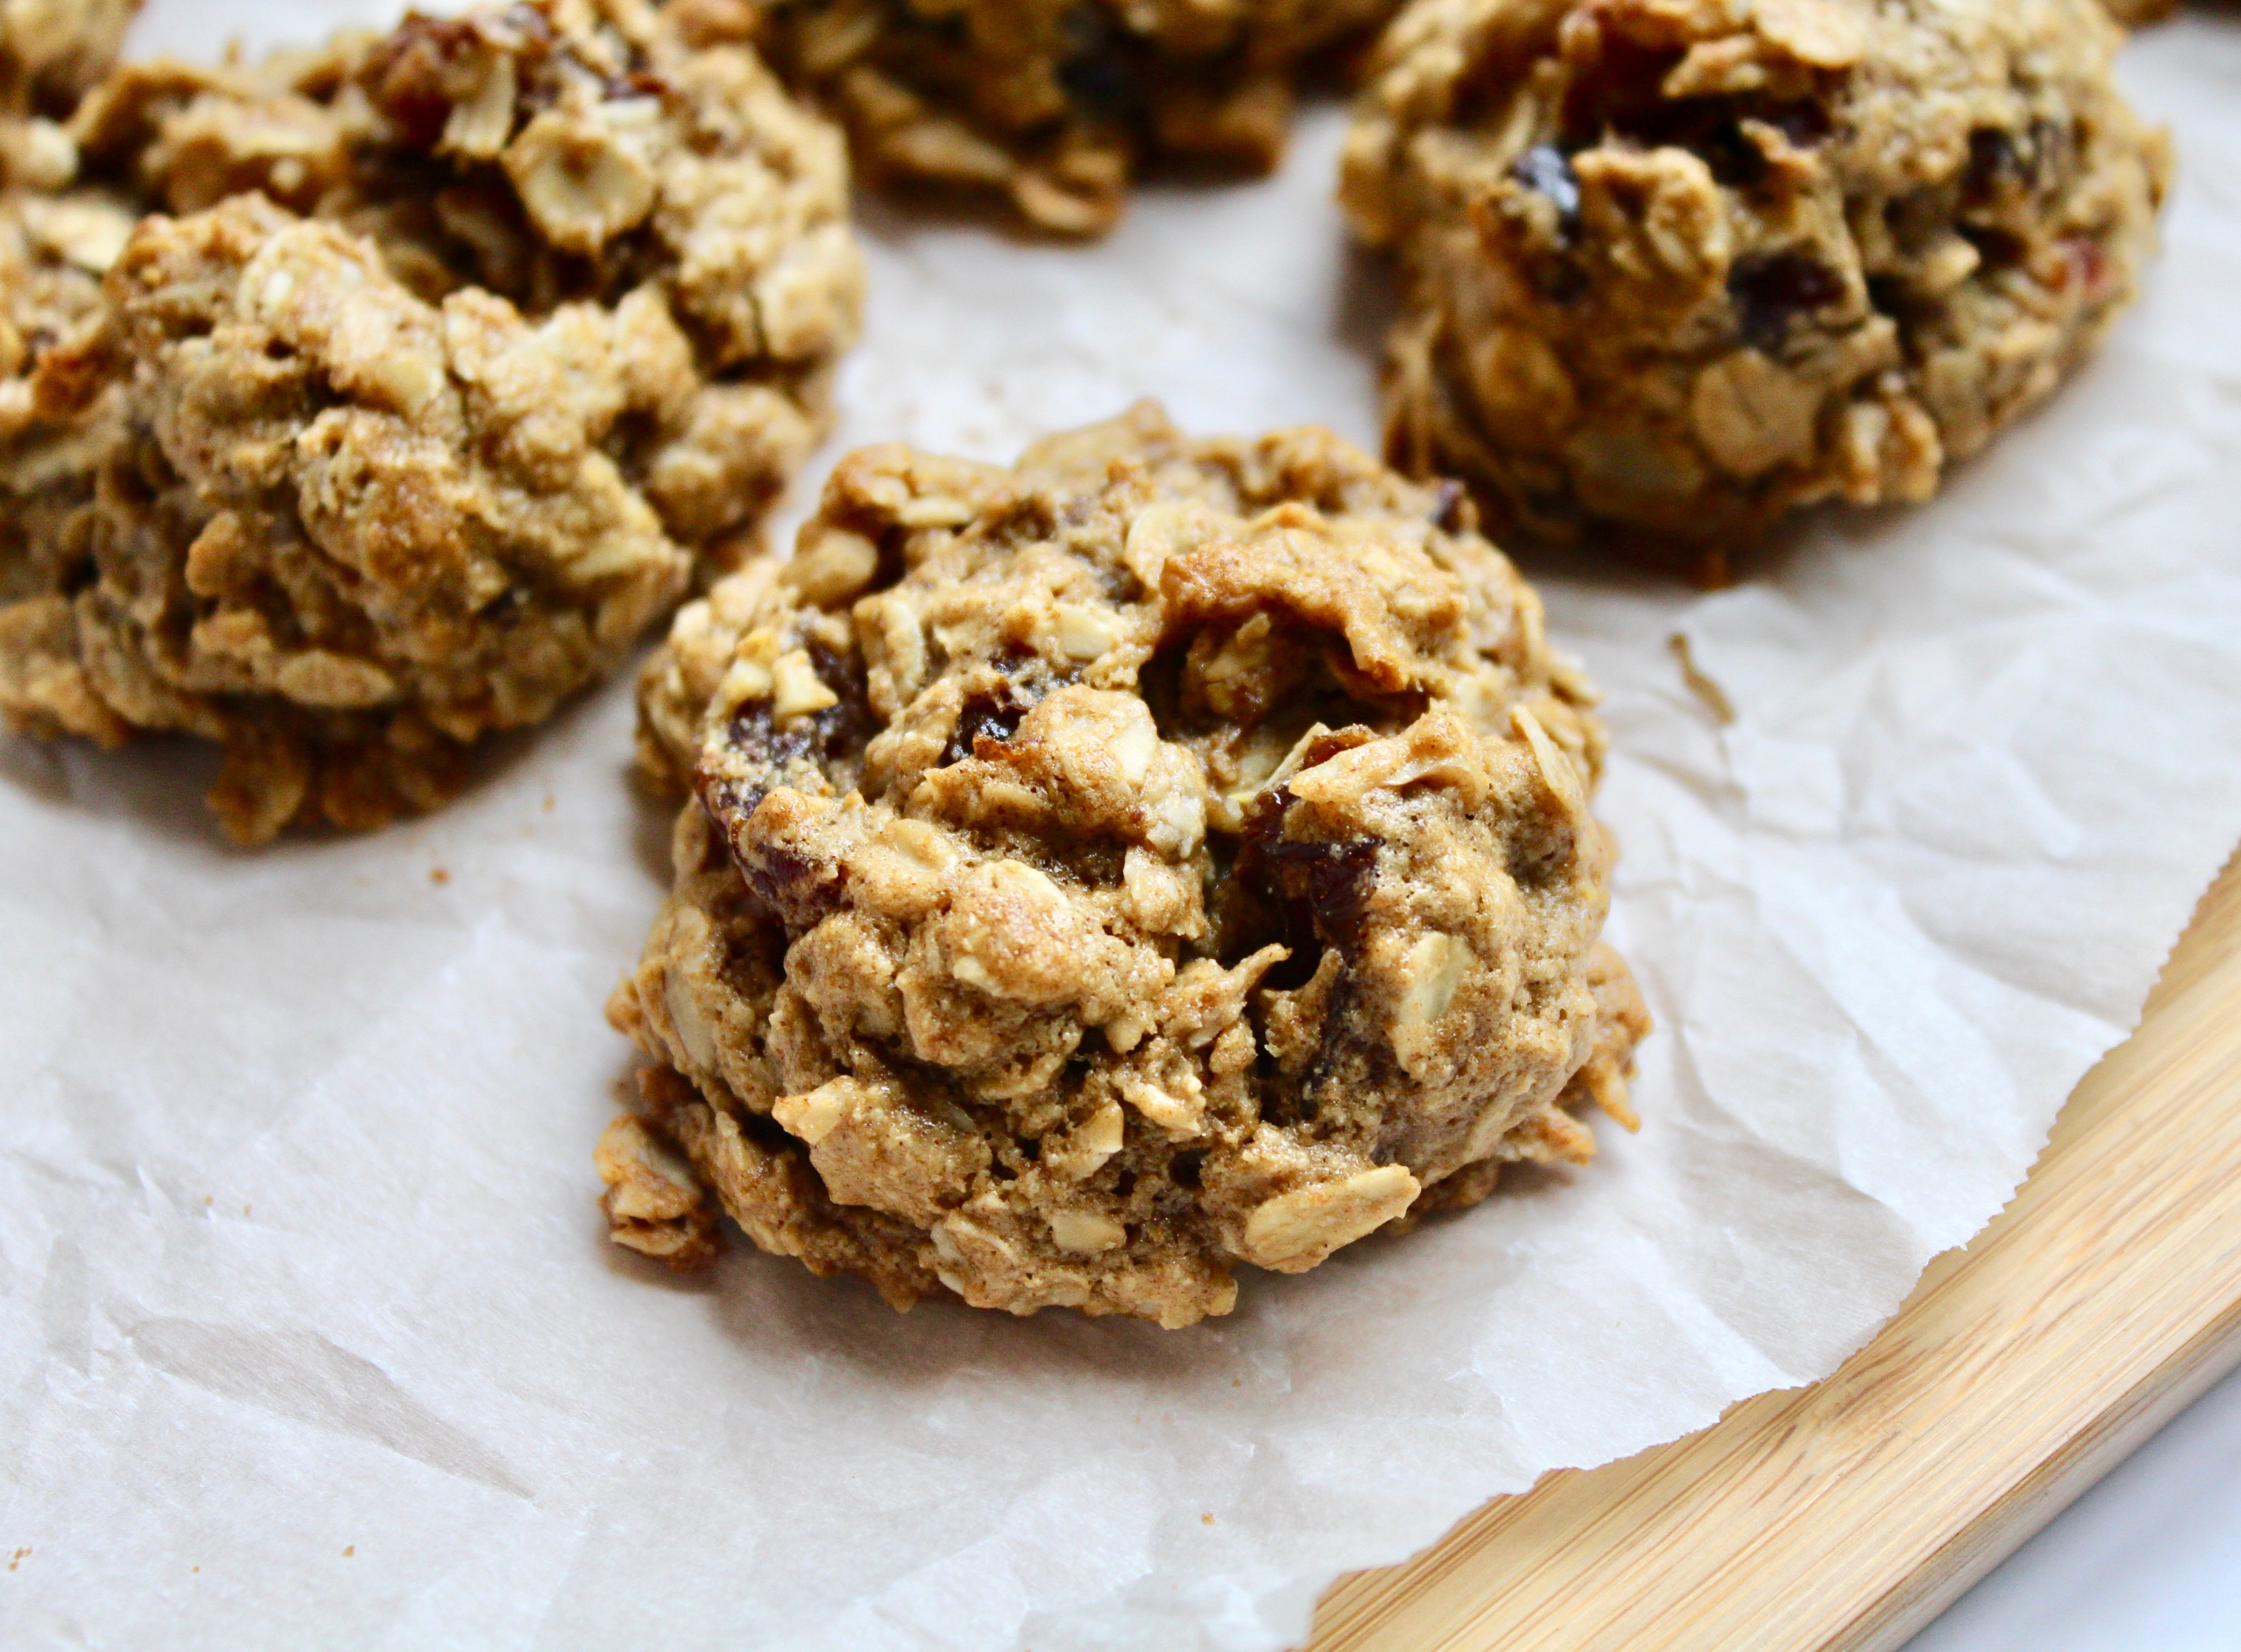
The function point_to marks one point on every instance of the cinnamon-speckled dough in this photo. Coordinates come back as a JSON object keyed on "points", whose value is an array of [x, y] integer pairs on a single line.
{"points": [[1159, 855], [446, 354], [1679, 266], [1051, 105]]}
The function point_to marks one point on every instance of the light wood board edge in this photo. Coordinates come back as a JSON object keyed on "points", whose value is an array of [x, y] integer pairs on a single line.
{"points": [[1844, 1516], [2010, 1520]]}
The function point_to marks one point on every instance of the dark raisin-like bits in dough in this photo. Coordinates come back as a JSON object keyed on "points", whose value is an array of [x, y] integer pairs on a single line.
{"points": [[1208, 880], [369, 401], [1670, 272], [1051, 106]]}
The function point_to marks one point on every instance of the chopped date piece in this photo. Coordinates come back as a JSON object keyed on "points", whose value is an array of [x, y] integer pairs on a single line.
{"points": [[1772, 291]]}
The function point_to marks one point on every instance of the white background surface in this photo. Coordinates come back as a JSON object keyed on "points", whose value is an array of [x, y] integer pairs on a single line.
{"points": [[307, 1334]]}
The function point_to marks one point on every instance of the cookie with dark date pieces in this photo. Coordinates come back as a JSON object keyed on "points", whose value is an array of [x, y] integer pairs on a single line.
{"points": [[1050, 106], [1156, 856], [365, 402], [1677, 267]]}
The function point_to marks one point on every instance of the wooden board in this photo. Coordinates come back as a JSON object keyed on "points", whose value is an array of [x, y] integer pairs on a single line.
{"points": [[1843, 1517]]}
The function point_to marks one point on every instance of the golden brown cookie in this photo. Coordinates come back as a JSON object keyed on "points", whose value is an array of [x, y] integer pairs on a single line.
{"points": [[51, 51], [2139, 14], [1157, 856], [1679, 266], [442, 356], [1049, 105]]}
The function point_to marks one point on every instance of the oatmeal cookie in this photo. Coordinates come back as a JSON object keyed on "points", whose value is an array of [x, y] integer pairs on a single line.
{"points": [[440, 358], [52, 51], [1050, 104], [2139, 14], [1156, 856], [1679, 266]]}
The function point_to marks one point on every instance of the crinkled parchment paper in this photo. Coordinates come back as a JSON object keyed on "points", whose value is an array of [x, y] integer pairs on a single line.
{"points": [[309, 1336]]}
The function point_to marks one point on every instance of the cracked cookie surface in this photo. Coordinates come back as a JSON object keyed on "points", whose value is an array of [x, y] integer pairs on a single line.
{"points": [[1675, 267], [1156, 856], [438, 360], [1050, 105]]}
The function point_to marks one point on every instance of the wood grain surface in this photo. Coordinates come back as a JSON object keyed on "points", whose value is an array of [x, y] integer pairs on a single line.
{"points": [[1843, 1517]]}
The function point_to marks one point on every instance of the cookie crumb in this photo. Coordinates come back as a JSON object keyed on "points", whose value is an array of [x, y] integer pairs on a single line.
{"points": [[1715, 698]]}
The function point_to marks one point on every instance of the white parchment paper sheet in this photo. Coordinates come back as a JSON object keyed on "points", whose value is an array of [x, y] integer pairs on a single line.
{"points": [[309, 1336]]}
